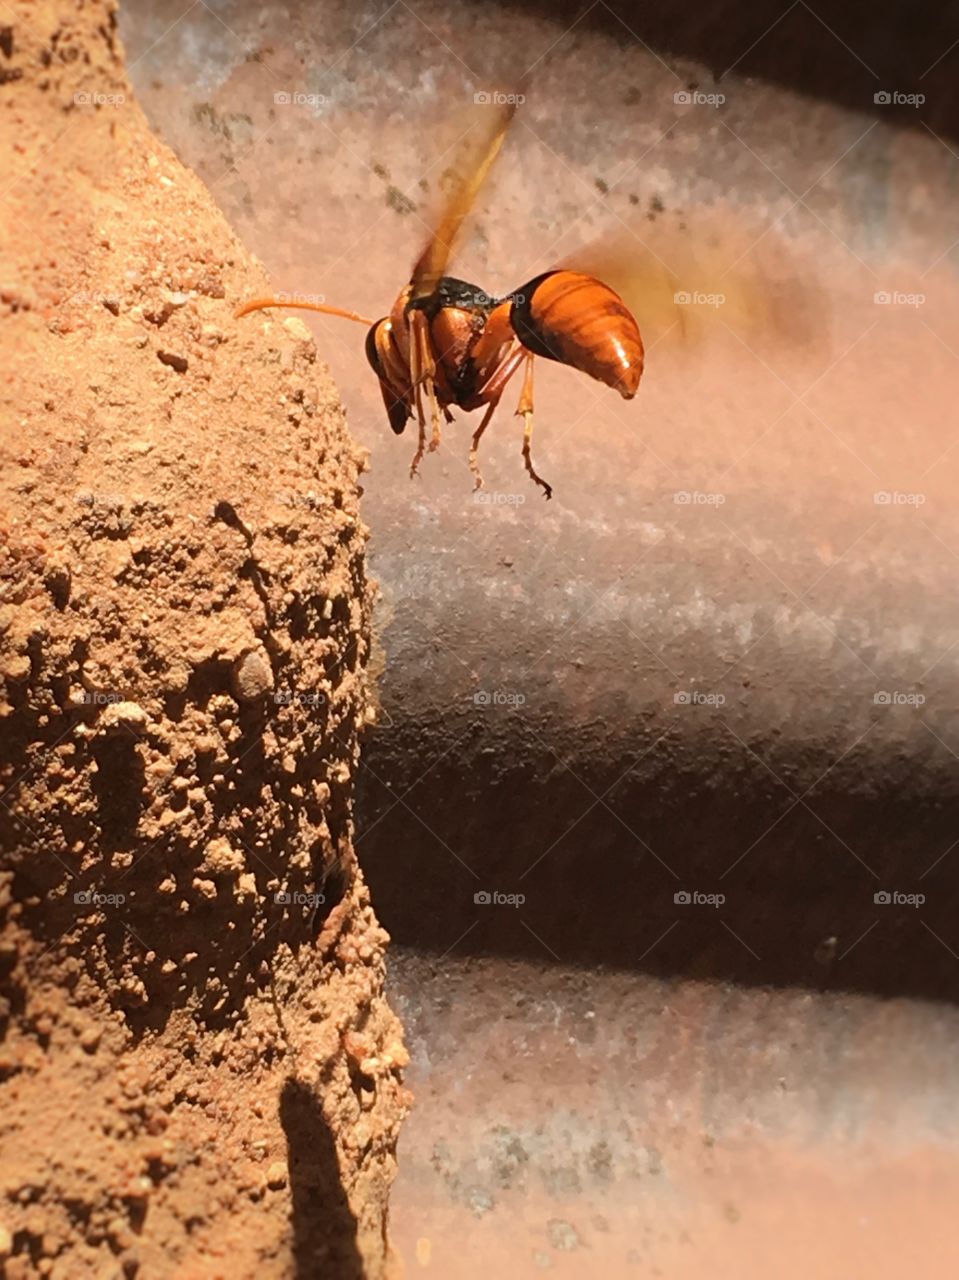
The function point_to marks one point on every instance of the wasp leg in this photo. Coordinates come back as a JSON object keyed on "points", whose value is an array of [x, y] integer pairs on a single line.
{"points": [[435, 411], [423, 373], [477, 435], [421, 443], [489, 394], [417, 374], [525, 410]]}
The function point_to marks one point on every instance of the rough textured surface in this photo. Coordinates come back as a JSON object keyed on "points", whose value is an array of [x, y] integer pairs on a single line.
{"points": [[200, 1075]]}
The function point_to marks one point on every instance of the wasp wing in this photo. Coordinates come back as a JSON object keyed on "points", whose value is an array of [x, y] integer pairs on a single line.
{"points": [[693, 278], [476, 151]]}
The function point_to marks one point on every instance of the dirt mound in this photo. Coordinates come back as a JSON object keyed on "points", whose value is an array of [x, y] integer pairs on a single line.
{"points": [[200, 1075]]}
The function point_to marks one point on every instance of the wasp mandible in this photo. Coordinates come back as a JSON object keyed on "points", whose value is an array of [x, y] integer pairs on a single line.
{"points": [[448, 343]]}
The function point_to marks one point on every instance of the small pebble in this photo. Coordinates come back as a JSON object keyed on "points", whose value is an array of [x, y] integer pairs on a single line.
{"points": [[252, 676], [176, 361], [125, 715], [90, 1039]]}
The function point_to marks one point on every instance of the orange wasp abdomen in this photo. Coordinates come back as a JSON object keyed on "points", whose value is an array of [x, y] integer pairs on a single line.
{"points": [[577, 320]]}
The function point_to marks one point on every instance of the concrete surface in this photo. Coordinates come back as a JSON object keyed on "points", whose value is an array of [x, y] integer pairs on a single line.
{"points": [[723, 660], [575, 1127]]}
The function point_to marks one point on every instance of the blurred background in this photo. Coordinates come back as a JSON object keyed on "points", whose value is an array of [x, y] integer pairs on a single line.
{"points": [[661, 806]]}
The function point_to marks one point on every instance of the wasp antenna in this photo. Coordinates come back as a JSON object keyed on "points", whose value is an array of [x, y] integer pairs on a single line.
{"points": [[260, 304]]}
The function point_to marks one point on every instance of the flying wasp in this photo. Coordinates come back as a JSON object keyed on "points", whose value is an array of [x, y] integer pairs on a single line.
{"points": [[448, 343]]}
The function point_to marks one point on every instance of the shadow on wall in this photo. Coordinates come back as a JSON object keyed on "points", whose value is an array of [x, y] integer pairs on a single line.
{"points": [[656, 861], [870, 56], [324, 1228]]}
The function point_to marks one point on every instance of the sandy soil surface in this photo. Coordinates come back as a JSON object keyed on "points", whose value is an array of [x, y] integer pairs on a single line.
{"points": [[199, 1075]]}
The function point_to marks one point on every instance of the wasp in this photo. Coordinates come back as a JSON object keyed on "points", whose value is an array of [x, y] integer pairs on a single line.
{"points": [[447, 343]]}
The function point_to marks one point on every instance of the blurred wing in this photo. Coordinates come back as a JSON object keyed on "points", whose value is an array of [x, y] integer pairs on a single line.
{"points": [[690, 281], [475, 155]]}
